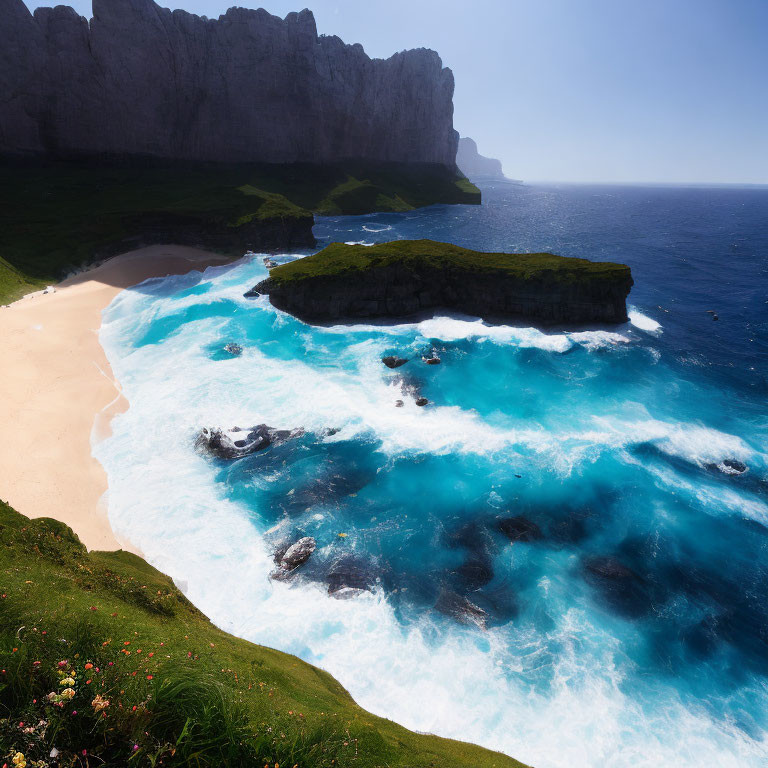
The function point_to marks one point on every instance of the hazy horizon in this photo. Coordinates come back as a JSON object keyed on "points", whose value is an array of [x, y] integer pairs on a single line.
{"points": [[604, 91]]}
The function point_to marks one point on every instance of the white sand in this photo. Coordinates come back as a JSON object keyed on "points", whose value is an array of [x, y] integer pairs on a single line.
{"points": [[57, 391]]}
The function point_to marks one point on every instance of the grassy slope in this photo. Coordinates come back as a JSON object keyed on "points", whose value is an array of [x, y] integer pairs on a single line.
{"points": [[339, 258], [212, 699], [55, 217]]}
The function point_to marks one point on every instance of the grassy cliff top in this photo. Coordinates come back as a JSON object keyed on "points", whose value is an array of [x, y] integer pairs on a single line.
{"points": [[79, 629], [341, 259]]}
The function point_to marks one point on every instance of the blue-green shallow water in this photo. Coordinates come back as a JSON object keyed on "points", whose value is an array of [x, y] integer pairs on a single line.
{"points": [[628, 624]]}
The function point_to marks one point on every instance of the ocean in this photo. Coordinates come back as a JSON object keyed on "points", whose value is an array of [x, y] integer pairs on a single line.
{"points": [[564, 556]]}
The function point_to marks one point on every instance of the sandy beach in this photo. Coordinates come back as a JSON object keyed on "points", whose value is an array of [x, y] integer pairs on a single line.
{"points": [[57, 392]]}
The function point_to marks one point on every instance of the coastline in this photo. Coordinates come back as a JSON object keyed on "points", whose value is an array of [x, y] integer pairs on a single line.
{"points": [[57, 391]]}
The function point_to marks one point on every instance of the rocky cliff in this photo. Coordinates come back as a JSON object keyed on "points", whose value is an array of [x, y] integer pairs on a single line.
{"points": [[405, 277], [142, 80], [473, 165]]}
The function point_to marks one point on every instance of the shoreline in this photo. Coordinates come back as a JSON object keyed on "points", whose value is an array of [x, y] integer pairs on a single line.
{"points": [[58, 393]]}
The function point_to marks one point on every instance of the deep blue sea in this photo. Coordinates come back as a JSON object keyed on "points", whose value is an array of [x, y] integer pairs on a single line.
{"points": [[557, 557]]}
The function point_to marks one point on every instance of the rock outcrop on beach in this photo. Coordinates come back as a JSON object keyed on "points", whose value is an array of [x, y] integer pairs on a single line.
{"points": [[141, 80], [411, 276], [473, 165]]}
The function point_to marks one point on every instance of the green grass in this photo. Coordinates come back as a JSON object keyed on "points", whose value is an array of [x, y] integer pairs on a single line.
{"points": [[180, 691], [57, 217], [338, 258]]}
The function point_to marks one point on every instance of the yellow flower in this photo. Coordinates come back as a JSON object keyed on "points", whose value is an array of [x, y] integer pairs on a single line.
{"points": [[68, 681], [19, 760], [68, 693], [99, 703]]}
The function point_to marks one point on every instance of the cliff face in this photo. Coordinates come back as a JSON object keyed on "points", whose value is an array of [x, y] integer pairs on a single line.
{"points": [[405, 277], [473, 165], [143, 80]]}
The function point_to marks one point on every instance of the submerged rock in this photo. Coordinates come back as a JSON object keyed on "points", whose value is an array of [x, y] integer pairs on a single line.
{"points": [[520, 528], [234, 349], [734, 465], [610, 568], [349, 577], [432, 359], [238, 442], [422, 401], [394, 362], [251, 294], [461, 608]]}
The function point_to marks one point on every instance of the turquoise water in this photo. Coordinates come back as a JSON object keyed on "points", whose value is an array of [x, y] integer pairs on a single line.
{"points": [[627, 625]]}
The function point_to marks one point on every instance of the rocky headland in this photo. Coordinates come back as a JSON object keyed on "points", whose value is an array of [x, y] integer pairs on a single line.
{"points": [[406, 277], [474, 165]]}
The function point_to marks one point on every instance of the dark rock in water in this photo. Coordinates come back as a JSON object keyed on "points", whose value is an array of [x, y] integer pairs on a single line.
{"points": [[475, 572], [394, 362], [422, 401], [609, 568], [251, 294], [297, 554], [406, 277], [228, 444], [735, 465], [234, 349], [460, 608], [621, 587], [434, 360], [715, 317], [520, 529], [349, 577], [399, 403]]}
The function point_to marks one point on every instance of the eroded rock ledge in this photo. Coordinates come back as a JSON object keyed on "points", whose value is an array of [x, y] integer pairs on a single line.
{"points": [[409, 276]]}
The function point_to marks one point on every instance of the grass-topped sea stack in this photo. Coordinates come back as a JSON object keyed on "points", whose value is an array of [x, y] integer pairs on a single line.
{"points": [[409, 276]]}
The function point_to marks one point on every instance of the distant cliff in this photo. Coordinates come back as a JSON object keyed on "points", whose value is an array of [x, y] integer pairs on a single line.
{"points": [[140, 80], [473, 165]]}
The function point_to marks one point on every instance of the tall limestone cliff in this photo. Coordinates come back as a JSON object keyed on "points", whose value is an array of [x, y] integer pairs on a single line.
{"points": [[138, 79]]}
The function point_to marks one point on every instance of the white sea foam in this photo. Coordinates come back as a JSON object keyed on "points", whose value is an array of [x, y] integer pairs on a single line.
{"points": [[377, 227], [433, 677], [643, 322]]}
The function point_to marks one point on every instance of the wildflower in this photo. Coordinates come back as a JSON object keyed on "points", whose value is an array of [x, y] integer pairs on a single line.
{"points": [[135, 747], [99, 703], [89, 665], [68, 693], [74, 712], [111, 663], [51, 696], [36, 663], [67, 681], [19, 760], [61, 664], [149, 677], [151, 654]]}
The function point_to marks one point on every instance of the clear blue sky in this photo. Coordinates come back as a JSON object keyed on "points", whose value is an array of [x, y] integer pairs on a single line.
{"points": [[581, 90]]}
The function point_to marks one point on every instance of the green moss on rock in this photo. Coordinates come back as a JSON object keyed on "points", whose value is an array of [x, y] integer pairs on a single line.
{"points": [[409, 276]]}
